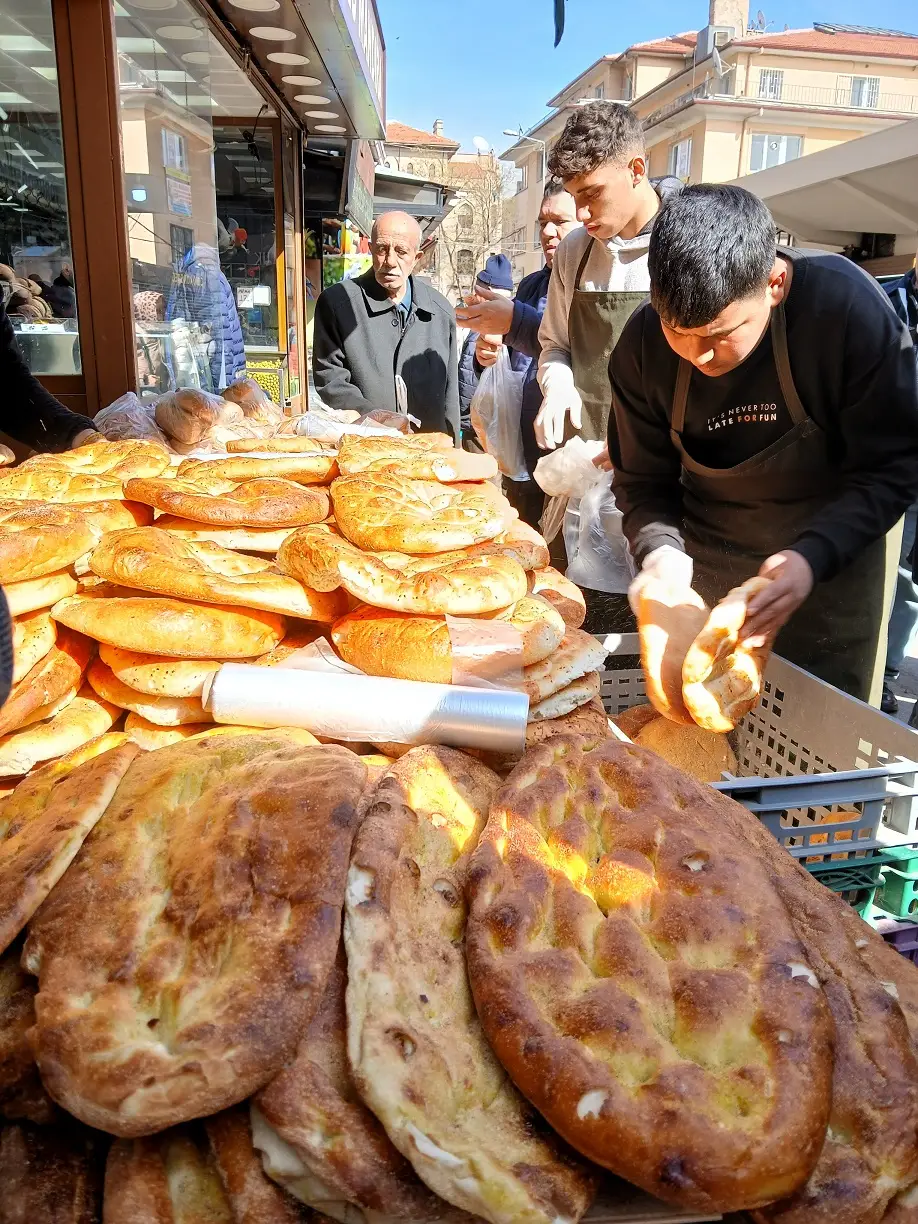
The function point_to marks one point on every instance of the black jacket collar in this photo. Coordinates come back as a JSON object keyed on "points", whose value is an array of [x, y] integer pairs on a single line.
{"points": [[379, 303]]}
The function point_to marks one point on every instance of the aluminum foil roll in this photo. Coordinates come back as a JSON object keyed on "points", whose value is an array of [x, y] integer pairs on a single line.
{"points": [[369, 708]]}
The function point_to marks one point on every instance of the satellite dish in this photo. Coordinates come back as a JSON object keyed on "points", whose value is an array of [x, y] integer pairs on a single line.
{"points": [[718, 62], [481, 144], [760, 18]]}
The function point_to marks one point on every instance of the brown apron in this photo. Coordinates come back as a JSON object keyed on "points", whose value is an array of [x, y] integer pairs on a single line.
{"points": [[594, 324], [736, 517]]}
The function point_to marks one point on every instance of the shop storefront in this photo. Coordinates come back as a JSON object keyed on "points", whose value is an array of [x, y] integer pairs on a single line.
{"points": [[152, 179]]}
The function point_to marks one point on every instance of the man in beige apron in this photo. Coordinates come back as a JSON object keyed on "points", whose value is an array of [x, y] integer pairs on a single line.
{"points": [[766, 422]]}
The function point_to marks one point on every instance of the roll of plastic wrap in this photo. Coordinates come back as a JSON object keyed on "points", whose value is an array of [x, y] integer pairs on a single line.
{"points": [[369, 708]]}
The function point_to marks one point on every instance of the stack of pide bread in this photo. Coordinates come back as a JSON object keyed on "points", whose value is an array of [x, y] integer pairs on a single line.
{"points": [[445, 583], [249, 978]]}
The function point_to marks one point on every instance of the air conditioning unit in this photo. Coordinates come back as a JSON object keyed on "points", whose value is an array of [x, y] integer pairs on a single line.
{"points": [[710, 37]]}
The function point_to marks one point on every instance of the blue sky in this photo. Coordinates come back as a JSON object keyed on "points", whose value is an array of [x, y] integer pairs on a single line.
{"points": [[485, 65]]}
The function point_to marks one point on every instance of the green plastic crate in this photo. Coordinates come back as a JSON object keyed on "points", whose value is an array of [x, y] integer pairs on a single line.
{"points": [[898, 894]]}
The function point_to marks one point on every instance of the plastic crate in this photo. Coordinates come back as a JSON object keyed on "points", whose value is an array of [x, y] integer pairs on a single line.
{"points": [[903, 936], [855, 760], [899, 893], [856, 881]]}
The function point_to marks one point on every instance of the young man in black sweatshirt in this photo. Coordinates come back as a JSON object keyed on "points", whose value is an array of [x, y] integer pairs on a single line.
{"points": [[766, 422]]}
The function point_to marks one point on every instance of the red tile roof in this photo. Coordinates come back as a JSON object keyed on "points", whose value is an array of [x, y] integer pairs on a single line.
{"points": [[891, 45], [673, 44], [402, 134]]}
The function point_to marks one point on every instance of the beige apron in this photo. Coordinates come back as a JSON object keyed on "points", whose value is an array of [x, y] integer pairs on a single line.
{"points": [[737, 517]]}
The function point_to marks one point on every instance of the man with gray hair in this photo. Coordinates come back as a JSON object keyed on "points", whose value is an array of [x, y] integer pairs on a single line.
{"points": [[385, 343]]}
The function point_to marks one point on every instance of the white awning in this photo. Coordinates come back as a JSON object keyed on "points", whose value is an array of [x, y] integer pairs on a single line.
{"points": [[830, 198]]}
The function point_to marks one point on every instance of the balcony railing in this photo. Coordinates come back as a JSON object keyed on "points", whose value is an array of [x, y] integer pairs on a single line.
{"points": [[793, 96]]}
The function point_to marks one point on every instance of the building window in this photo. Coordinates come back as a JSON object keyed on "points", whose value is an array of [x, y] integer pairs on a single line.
{"points": [[540, 166], [175, 155], [771, 84], [465, 263], [771, 150], [523, 181], [466, 219], [410, 168], [865, 91], [182, 240], [680, 158], [34, 229], [599, 91], [432, 170]]}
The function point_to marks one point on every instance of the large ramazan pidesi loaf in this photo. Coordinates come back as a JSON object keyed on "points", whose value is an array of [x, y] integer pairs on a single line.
{"points": [[642, 982], [415, 1043]]}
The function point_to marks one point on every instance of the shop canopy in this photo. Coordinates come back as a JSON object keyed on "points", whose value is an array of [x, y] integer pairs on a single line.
{"points": [[831, 198], [428, 202]]}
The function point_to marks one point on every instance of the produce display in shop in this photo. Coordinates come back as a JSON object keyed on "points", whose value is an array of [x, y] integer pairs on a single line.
{"points": [[595, 968]]}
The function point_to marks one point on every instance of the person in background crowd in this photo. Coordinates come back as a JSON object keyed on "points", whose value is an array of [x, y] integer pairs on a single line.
{"points": [[31, 414], [903, 295], [600, 272], [201, 294], [745, 437], [495, 281], [516, 323], [385, 343]]}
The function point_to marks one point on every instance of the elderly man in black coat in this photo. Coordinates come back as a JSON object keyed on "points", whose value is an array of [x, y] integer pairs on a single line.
{"points": [[385, 343]]}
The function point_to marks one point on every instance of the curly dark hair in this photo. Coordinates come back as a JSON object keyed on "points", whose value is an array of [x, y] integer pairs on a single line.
{"points": [[596, 133]]}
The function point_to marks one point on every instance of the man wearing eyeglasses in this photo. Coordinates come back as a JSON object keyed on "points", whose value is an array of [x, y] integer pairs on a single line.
{"points": [[385, 343]]}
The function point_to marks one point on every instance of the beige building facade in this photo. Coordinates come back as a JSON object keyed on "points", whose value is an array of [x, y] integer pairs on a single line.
{"points": [[729, 101], [474, 227]]}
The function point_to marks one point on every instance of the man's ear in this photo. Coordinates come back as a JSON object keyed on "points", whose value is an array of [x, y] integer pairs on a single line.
{"points": [[638, 167], [776, 290]]}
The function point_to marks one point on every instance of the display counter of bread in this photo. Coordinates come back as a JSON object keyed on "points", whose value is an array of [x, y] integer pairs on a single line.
{"points": [[598, 977]]}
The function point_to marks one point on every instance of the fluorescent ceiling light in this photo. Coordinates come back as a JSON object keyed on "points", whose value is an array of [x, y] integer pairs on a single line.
{"points": [[169, 74], [21, 42], [11, 98], [200, 100], [43, 165], [50, 74], [140, 44]]}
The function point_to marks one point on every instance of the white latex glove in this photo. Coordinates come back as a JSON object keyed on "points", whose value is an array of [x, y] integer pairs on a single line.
{"points": [[560, 397], [664, 564]]}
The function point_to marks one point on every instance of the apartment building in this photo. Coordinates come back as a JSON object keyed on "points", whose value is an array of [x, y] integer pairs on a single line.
{"points": [[472, 229], [731, 100]]}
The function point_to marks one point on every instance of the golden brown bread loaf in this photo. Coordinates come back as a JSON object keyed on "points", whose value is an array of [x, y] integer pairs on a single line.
{"points": [[35, 594], [51, 1173], [669, 619], [161, 711], [703, 755], [77, 722], [633, 720], [7, 456], [642, 982], [157, 676], [254, 401], [247, 503], [319, 1140], [314, 467], [155, 561], [102, 516], [33, 636], [168, 1179], [171, 627], [722, 678], [58, 673], [279, 445], [116, 460], [188, 415], [246, 539], [21, 1093], [252, 1197], [380, 511], [466, 586], [356, 454], [151, 738], [576, 655], [568, 699], [52, 483], [192, 1006], [416, 1047], [30, 548], [46, 820], [561, 593], [384, 643]]}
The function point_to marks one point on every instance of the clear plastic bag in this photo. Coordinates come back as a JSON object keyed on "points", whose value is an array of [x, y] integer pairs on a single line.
{"points": [[569, 471], [130, 417], [598, 553], [256, 406], [495, 412]]}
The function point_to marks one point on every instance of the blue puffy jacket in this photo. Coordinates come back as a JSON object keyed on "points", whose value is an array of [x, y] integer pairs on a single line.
{"points": [[201, 294]]}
